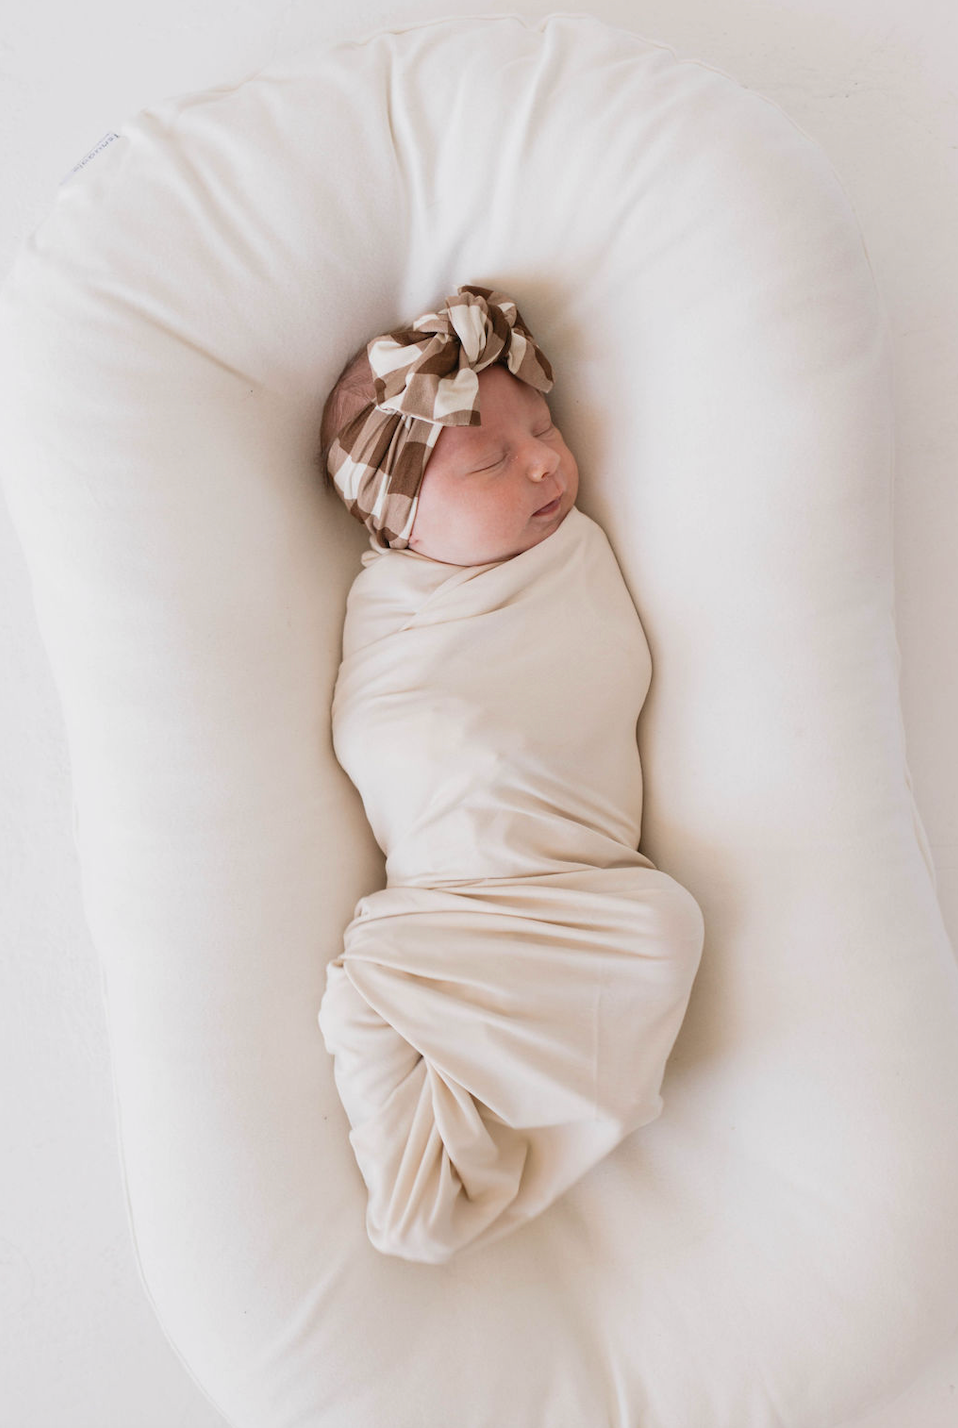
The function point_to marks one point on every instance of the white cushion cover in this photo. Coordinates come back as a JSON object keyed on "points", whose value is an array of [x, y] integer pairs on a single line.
{"points": [[776, 1249]]}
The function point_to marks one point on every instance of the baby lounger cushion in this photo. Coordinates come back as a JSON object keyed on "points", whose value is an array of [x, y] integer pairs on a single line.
{"points": [[776, 1249]]}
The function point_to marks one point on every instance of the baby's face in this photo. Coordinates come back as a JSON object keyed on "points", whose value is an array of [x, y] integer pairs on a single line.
{"points": [[484, 485]]}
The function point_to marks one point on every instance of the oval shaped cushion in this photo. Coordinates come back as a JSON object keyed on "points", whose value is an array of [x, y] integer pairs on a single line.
{"points": [[778, 1247]]}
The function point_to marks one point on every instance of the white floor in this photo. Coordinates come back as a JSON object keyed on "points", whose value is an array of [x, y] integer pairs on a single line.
{"points": [[872, 81]]}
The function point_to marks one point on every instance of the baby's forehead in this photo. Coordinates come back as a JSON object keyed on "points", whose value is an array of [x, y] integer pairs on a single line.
{"points": [[505, 389], [498, 412]]}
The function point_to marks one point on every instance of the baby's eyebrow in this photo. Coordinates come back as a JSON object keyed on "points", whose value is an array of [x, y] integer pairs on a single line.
{"points": [[487, 450]]}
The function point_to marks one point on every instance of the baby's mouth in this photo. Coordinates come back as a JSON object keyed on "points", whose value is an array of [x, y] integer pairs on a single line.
{"points": [[548, 509]]}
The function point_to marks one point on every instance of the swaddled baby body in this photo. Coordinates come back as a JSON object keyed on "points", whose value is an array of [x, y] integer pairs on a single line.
{"points": [[501, 1013]]}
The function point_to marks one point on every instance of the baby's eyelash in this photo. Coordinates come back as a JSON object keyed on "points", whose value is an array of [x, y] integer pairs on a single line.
{"points": [[550, 427]]}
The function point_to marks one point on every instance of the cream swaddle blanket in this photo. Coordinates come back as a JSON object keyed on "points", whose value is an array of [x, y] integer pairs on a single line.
{"points": [[502, 1011]]}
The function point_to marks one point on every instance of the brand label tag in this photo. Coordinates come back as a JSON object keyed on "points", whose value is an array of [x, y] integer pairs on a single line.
{"points": [[98, 148]]}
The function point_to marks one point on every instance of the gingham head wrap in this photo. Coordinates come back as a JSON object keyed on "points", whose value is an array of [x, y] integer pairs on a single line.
{"points": [[425, 378]]}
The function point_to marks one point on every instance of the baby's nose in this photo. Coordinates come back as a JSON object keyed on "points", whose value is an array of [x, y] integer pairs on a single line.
{"points": [[539, 457], [545, 465]]}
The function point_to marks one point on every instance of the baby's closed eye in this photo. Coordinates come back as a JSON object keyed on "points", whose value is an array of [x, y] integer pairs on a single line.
{"points": [[548, 431]]}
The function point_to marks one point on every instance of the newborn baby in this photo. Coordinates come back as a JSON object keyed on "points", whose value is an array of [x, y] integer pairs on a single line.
{"points": [[502, 1011]]}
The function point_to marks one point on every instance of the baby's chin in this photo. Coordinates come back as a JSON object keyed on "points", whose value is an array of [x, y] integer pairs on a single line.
{"points": [[483, 552]]}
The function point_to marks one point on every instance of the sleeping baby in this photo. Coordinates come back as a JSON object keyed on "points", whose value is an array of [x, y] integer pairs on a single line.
{"points": [[502, 1011]]}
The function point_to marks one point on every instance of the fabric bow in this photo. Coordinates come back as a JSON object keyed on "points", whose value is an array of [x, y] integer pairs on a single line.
{"points": [[425, 378]]}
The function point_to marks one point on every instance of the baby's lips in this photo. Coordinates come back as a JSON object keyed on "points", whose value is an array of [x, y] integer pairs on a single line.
{"points": [[548, 503]]}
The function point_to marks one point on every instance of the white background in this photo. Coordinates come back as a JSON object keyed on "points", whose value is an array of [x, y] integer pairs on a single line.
{"points": [[873, 82]]}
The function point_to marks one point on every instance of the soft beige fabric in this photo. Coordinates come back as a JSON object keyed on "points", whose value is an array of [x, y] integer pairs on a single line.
{"points": [[777, 1249], [503, 1010]]}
